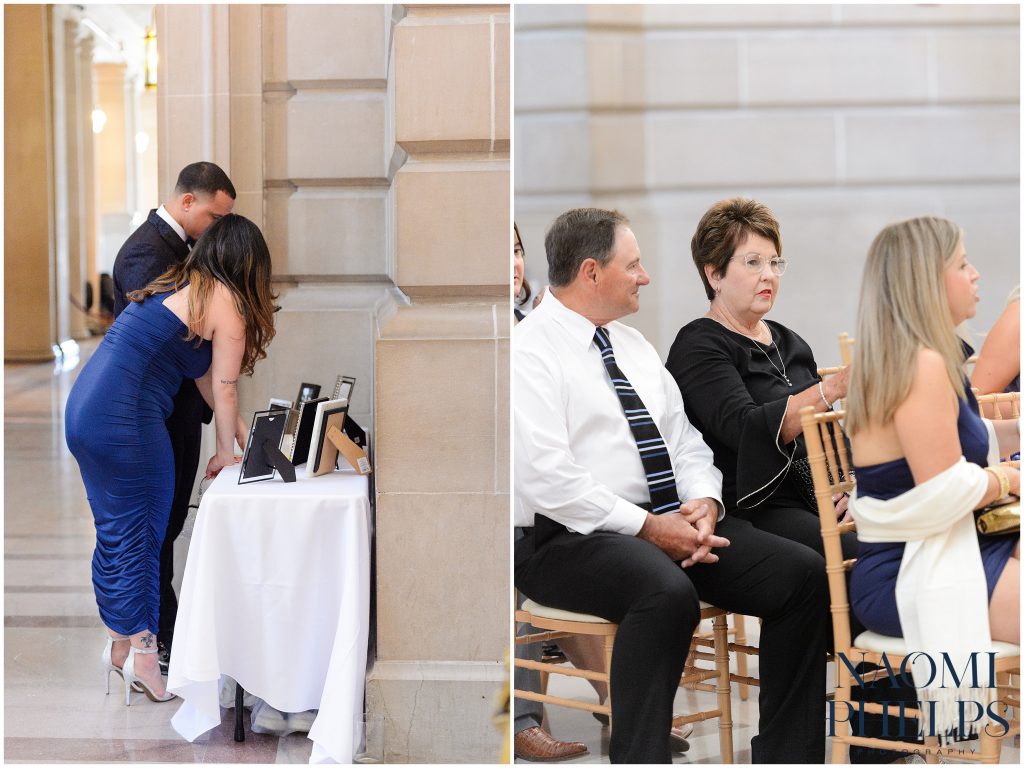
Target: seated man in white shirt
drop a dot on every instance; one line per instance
(601, 440)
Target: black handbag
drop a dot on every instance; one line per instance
(804, 480)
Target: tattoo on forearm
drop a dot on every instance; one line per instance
(229, 381)
(147, 639)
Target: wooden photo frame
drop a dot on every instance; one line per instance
(323, 454)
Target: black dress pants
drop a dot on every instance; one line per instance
(655, 603)
(185, 429)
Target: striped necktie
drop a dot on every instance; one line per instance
(661, 481)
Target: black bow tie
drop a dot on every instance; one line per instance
(189, 242)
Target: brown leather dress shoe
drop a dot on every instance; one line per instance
(537, 745)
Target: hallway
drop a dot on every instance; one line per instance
(55, 709)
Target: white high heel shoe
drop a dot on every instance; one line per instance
(131, 680)
(108, 663)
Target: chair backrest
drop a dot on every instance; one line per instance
(831, 370)
(832, 474)
(846, 342)
(994, 406)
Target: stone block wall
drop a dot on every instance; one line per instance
(841, 118)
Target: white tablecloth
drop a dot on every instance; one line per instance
(276, 595)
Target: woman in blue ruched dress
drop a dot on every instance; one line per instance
(919, 446)
(209, 319)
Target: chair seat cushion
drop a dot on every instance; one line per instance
(557, 614)
(542, 611)
(872, 641)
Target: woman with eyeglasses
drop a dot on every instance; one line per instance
(744, 379)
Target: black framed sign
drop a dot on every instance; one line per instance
(266, 430)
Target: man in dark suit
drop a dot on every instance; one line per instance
(202, 195)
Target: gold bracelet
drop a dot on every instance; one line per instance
(1002, 479)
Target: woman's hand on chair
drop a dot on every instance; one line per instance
(836, 386)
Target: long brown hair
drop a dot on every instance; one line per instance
(233, 252)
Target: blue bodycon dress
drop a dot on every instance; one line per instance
(873, 581)
(114, 426)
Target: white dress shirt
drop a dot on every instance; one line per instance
(576, 459)
(166, 216)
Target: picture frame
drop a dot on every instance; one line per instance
(348, 383)
(307, 392)
(266, 426)
(303, 430)
(343, 387)
(323, 454)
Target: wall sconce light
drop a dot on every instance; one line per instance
(99, 119)
(151, 59)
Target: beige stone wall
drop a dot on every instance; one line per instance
(442, 390)
(840, 118)
(371, 144)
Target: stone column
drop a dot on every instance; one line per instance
(29, 253)
(90, 229)
(296, 119)
(193, 114)
(442, 393)
(114, 156)
(65, 107)
(372, 149)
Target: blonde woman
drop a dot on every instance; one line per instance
(921, 450)
(209, 318)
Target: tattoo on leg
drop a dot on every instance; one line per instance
(147, 639)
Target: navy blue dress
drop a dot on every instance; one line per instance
(114, 425)
(873, 581)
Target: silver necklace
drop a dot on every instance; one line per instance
(782, 362)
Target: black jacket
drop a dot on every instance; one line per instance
(148, 252)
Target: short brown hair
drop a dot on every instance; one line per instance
(723, 228)
(577, 235)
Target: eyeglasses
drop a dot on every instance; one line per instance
(755, 264)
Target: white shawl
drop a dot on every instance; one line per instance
(941, 594)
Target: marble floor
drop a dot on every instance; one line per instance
(55, 709)
(576, 725)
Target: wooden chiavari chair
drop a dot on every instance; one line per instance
(554, 623)
(830, 469)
